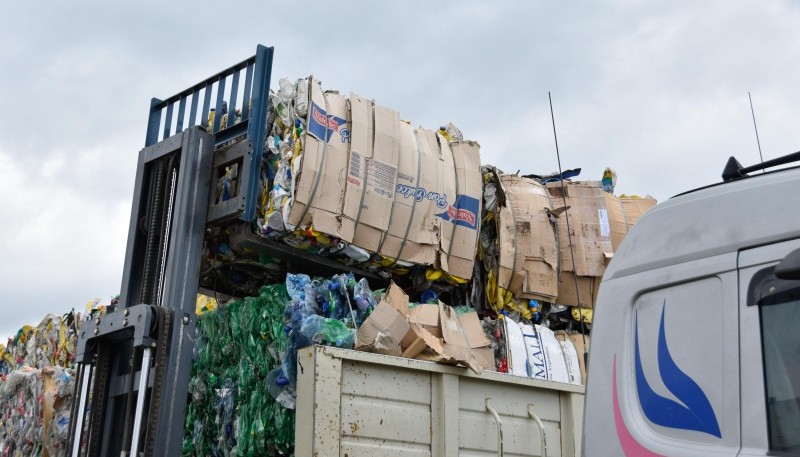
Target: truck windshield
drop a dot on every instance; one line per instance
(780, 342)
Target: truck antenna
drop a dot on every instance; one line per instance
(755, 127)
(569, 235)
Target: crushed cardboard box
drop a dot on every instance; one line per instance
(383, 331)
(386, 328)
(426, 332)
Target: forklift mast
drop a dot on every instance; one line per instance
(134, 363)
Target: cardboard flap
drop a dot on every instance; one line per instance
(485, 357)
(397, 299)
(414, 342)
(451, 327)
(428, 317)
(463, 331)
(474, 330)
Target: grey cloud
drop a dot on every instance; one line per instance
(657, 91)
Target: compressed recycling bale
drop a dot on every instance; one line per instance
(242, 385)
(34, 414)
(528, 250)
(409, 195)
(230, 409)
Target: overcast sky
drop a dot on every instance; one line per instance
(657, 91)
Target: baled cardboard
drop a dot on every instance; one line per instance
(372, 180)
(435, 216)
(635, 207)
(459, 224)
(319, 181)
(371, 170)
(623, 212)
(617, 219)
(528, 258)
(421, 192)
(589, 228)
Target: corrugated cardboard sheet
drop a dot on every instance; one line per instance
(583, 294)
(623, 212)
(589, 227)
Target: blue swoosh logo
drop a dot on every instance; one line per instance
(694, 414)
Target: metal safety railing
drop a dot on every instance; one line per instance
(240, 96)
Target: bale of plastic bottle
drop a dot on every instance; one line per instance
(35, 411)
(231, 411)
(242, 389)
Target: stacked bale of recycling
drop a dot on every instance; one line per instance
(51, 343)
(592, 224)
(544, 246)
(37, 386)
(518, 247)
(242, 389)
(348, 178)
(229, 412)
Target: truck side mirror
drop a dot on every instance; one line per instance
(789, 267)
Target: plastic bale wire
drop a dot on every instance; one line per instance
(231, 411)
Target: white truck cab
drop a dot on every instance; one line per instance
(696, 337)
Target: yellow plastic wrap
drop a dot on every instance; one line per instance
(205, 304)
(584, 314)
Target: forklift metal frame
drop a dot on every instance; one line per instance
(145, 345)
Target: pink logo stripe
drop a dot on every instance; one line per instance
(630, 446)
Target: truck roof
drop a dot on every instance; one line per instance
(718, 219)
